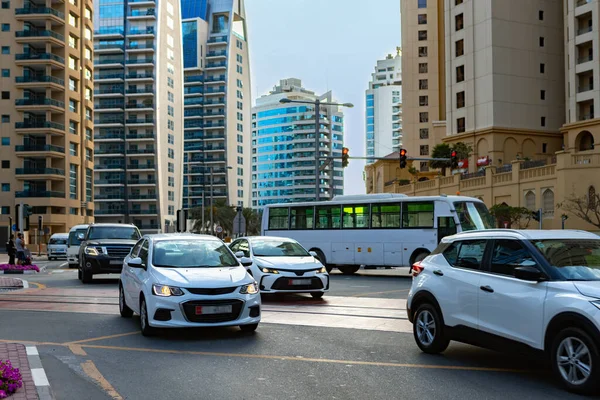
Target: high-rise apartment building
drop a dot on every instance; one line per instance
(283, 146)
(138, 105)
(384, 108)
(217, 103)
(423, 76)
(46, 111)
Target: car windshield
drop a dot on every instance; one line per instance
(277, 248)
(114, 232)
(73, 239)
(57, 241)
(473, 216)
(192, 253)
(576, 260)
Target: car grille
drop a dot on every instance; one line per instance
(121, 251)
(211, 292)
(283, 284)
(190, 311)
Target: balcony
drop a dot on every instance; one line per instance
(584, 30)
(110, 137)
(40, 171)
(142, 182)
(142, 14)
(148, 32)
(37, 148)
(109, 167)
(117, 151)
(139, 48)
(142, 91)
(143, 212)
(142, 2)
(212, 90)
(140, 76)
(39, 125)
(108, 32)
(40, 194)
(143, 136)
(111, 91)
(216, 54)
(39, 58)
(147, 61)
(140, 106)
(193, 79)
(109, 212)
(108, 77)
(109, 182)
(141, 152)
(142, 197)
(217, 78)
(37, 81)
(109, 107)
(108, 62)
(584, 59)
(37, 13)
(108, 122)
(100, 197)
(582, 2)
(39, 103)
(585, 88)
(135, 121)
(216, 65)
(109, 48)
(217, 40)
(32, 35)
(148, 226)
(151, 167)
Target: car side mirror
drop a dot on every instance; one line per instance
(528, 273)
(239, 254)
(136, 263)
(80, 236)
(314, 254)
(246, 262)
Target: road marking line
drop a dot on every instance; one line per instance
(386, 292)
(38, 285)
(313, 360)
(101, 338)
(77, 350)
(90, 369)
(39, 377)
(63, 264)
(32, 351)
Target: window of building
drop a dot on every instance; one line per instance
(88, 13)
(424, 133)
(88, 134)
(239, 58)
(5, 118)
(171, 97)
(5, 141)
(73, 63)
(240, 171)
(72, 84)
(459, 47)
(541, 41)
(5, 95)
(171, 167)
(460, 73)
(88, 94)
(171, 153)
(239, 69)
(6, 4)
(171, 138)
(542, 68)
(423, 84)
(460, 99)
(459, 22)
(72, 149)
(422, 19)
(88, 33)
(239, 45)
(457, 2)
(423, 101)
(88, 114)
(422, 4)
(423, 51)
(542, 95)
(423, 68)
(73, 41)
(548, 203)
(5, 210)
(72, 106)
(88, 184)
(543, 121)
(171, 181)
(544, 147)
(541, 15)
(530, 200)
(240, 138)
(5, 164)
(423, 117)
(5, 73)
(5, 49)
(240, 160)
(240, 149)
(171, 195)
(73, 181)
(422, 35)
(240, 127)
(73, 20)
(424, 150)
(460, 125)
(88, 154)
(73, 127)
(88, 53)
(171, 125)
(5, 27)
(6, 187)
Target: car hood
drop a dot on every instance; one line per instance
(588, 288)
(202, 277)
(107, 242)
(289, 263)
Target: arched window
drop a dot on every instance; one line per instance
(548, 203)
(585, 141)
(530, 200)
(592, 197)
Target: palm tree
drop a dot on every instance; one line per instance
(442, 150)
(223, 215)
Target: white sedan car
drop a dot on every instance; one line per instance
(282, 265)
(184, 280)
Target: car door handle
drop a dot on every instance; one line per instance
(487, 289)
(438, 272)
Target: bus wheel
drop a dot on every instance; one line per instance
(349, 269)
(322, 259)
(419, 257)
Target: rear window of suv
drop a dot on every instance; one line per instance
(466, 253)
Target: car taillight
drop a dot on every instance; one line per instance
(417, 268)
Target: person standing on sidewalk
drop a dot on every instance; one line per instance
(20, 248)
(10, 248)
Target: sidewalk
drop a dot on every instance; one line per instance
(27, 360)
(34, 257)
(10, 283)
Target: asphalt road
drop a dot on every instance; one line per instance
(102, 356)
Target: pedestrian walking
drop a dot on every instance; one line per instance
(20, 244)
(12, 251)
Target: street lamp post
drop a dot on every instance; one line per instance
(317, 103)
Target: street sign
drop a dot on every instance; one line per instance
(219, 229)
(14, 227)
(239, 224)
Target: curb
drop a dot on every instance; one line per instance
(14, 272)
(39, 374)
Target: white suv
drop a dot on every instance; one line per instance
(498, 289)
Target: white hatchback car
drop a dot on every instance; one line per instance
(501, 289)
(282, 265)
(185, 280)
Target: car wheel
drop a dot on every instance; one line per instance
(576, 361)
(317, 295)
(86, 276)
(248, 328)
(125, 311)
(428, 330)
(145, 327)
(349, 270)
(79, 275)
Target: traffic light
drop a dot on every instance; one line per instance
(402, 158)
(537, 215)
(454, 159)
(27, 210)
(345, 156)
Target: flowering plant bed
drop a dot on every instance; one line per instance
(10, 379)
(10, 267)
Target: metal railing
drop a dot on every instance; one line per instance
(42, 33)
(39, 10)
(39, 193)
(532, 164)
(39, 79)
(40, 124)
(108, 76)
(39, 102)
(39, 56)
(40, 171)
(40, 147)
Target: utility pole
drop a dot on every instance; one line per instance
(317, 147)
(21, 222)
(202, 231)
(212, 225)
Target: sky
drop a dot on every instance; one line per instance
(329, 45)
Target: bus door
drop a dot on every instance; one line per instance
(446, 226)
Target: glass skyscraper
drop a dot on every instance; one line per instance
(283, 147)
(217, 103)
(138, 151)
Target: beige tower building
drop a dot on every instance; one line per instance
(46, 108)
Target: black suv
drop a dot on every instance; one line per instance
(104, 247)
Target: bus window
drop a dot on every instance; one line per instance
(385, 216)
(301, 217)
(473, 216)
(328, 217)
(278, 218)
(356, 216)
(417, 214)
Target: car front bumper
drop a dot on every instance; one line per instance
(289, 282)
(54, 253)
(180, 310)
(103, 264)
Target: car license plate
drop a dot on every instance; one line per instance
(299, 282)
(202, 310)
(116, 262)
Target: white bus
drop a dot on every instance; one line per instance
(378, 230)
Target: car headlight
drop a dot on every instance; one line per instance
(322, 270)
(166, 291)
(249, 289)
(90, 251)
(268, 270)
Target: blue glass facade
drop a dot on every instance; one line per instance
(194, 9)
(370, 125)
(189, 34)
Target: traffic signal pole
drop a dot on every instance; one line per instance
(21, 221)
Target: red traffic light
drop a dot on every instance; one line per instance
(402, 152)
(345, 151)
(454, 154)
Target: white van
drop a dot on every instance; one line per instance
(75, 235)
(57, 246)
